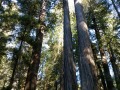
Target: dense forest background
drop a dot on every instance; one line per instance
(59, 44)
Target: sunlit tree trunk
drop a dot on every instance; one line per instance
(35, 60)
(87, 66)
(108, 77)
(70, 82)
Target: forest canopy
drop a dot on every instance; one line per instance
(59, 45)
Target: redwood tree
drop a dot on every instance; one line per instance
(35, 59)
(106, 70)
(70, 82)
(86, 61)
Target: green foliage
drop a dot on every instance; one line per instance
(19, 22)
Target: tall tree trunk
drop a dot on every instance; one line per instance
(70, 81)
(14, 67)
(108, 77)
(87, 66)
(35, 60)
(115, 67)
(113, 2)
(16, 58)
(99, 68)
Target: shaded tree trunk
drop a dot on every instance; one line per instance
(70, 81)
(99, 68)
(35, 61)
(16, 56)
(56, 85)
(31, 79)
(86, 63)
(115, 67)
(108, 77)
(15, 67)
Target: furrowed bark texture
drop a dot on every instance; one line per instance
(70, 82)
(86, 62)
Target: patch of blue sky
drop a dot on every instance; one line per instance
(109, 63)
(114, 13)
(92, 35)
(14, 1)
